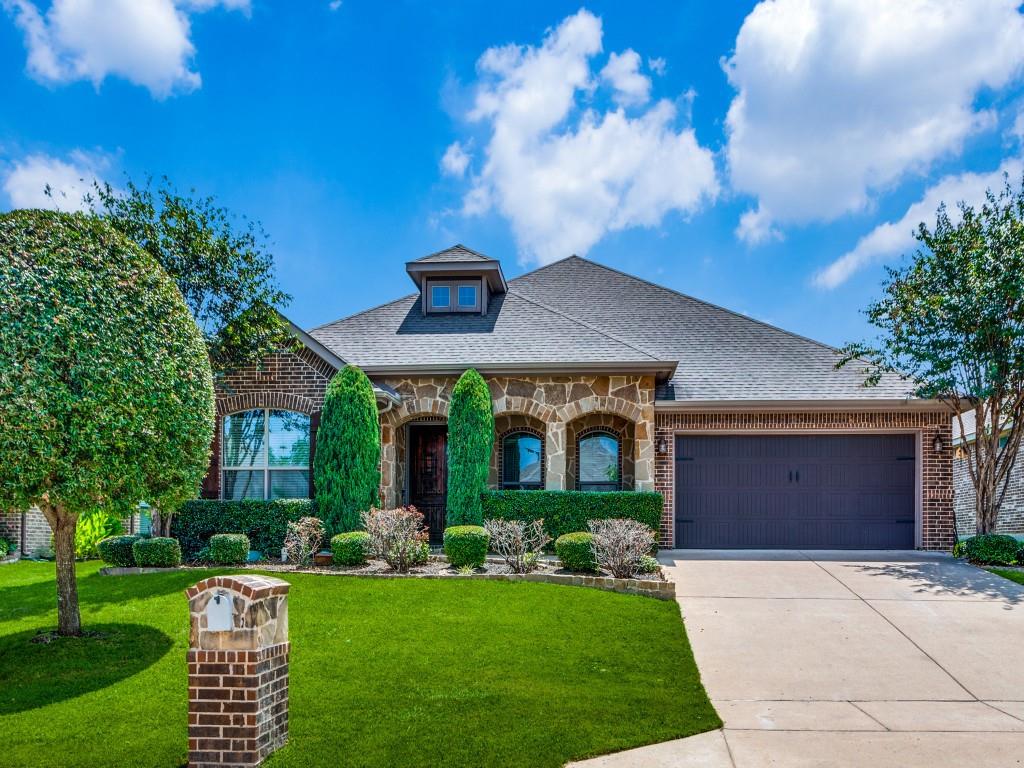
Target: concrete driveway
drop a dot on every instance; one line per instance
(849, 659)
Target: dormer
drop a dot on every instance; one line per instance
(456, 280)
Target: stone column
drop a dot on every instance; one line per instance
(643, 467)
(237, 670)
(554, 450)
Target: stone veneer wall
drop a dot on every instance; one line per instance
(937, 520)
(555, 402)
(1011, 514)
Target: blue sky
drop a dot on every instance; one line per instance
(769, 157)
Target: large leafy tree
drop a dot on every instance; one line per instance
(220, 264)
(346, 467)
(953, 321)
(106, 393)
(470, 440)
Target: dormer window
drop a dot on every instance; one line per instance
(453, 295)
(440, 298)
(456, 280)
(468, 298)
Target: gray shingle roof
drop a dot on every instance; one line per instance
(576, 311)
(456, 254)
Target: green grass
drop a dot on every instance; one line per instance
(1017, 576)
(384, 673)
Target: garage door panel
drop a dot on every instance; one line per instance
(808, 491)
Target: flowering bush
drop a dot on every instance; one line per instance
(397, 536)
(519, 543)
(303, 539)
(620, 546)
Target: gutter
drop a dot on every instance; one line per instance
(913, 405)
(661, 369)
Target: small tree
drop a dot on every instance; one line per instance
(346, 467)
(953, 322)
(220, 266)
(470, 438)
(106, 394)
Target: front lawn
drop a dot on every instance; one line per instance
(1012, 575)
(384, 672)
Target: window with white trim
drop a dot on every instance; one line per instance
(265, 455)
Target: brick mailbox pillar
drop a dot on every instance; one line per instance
(237, 670)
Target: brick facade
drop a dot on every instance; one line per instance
(1011, 514)
(28, 530)
(935, 470)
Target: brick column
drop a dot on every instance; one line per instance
(237, 670)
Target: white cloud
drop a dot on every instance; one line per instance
(455, 160)
(334, 5)
(897, 237)
(657, 65)
(756, 228)
(563, 176)
(623, 73)
(26, 183)
(838, 100)
(143, 41)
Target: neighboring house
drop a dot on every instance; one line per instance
(603, 381)
(1011, 514)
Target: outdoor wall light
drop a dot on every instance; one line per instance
(937, 444)
(662, 446)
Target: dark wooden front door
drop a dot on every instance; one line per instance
(428, 474)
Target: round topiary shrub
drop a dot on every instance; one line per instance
(350, 548)
(158, 552)
(576, 551)
(465, 546)
(991, 549)
(117, 550)
(228, 548)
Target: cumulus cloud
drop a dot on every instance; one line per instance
(565, 175)
(143, 41)
(455, 160)
(657, 65)
(897, 237)
(837, 100)
(68, 181)
(623, 73)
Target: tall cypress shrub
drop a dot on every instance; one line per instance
(346, 467)
(470, 438)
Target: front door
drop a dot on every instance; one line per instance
(428, 474)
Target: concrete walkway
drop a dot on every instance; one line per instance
(848, 659)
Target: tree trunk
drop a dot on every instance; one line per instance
(63, 524)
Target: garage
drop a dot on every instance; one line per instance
(795, 491)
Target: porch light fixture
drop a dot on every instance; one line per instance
(937, 444)
(662, 446)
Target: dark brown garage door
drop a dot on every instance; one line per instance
(799, 491)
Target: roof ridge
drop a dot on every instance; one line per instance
(452, 248)
(712, 305)
(584, 323)
(363, 312)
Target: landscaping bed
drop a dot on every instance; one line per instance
(397, 672)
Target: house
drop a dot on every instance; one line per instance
(1011, 514)
(601, 381)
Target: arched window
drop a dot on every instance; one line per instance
(522, 462)
(599, 461)
(265, 455)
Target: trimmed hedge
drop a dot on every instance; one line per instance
(350, 548)
(465, 546)
(576, 551)
(158, 552)
(117, 550)
(229, 548)
(264, 522)
(570, 511)
(991, 549)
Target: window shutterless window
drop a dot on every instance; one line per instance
(440, 297)
(522, 462)
(265, 455)
(599, 462)
(467, 297)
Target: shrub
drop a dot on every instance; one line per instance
(4, 548)
(1020, 556)
(648, 564)
(351, 548)
(576, 551)
(264, 522)
(397, 536)
(92, 529)
(470, 439)
(158, 552)
(465, 546)
(518, 543)
(991, 549)
(620, 544)
(959, 549)
(303, 539)
(570, 511)
(346, 467)
(117, 551)
(229, 548)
